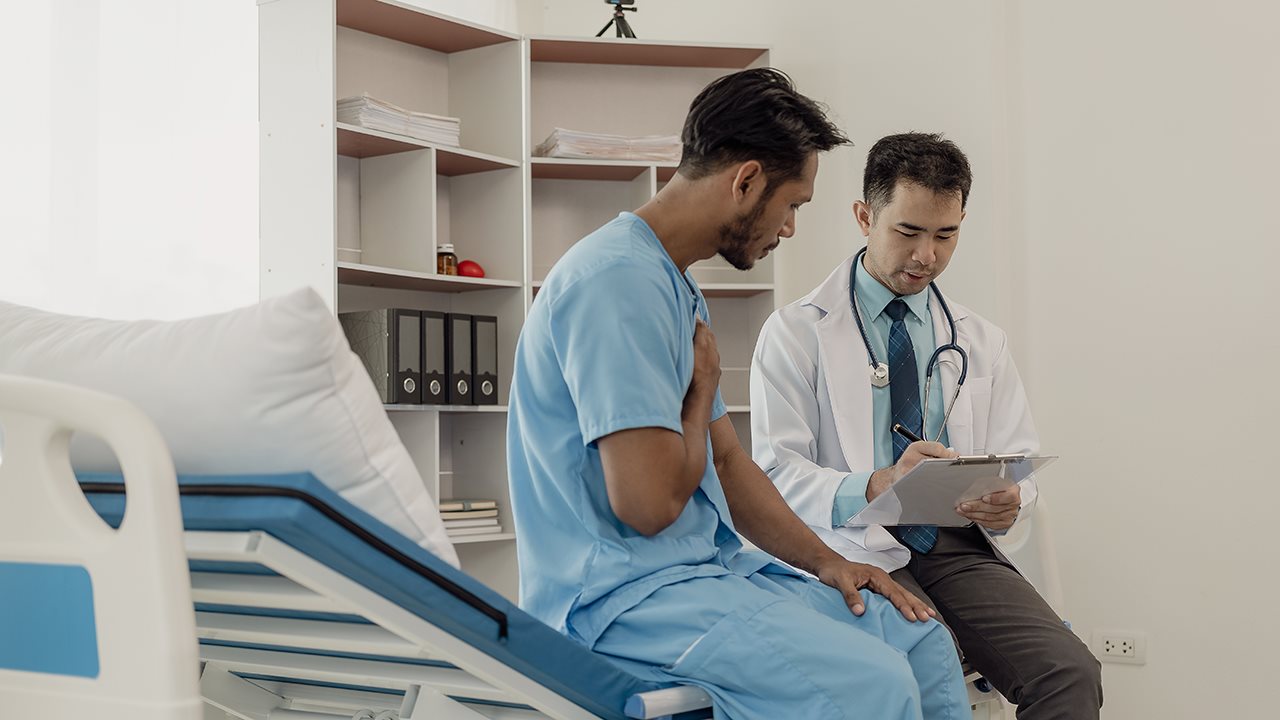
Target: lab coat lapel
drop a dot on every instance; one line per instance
(844, 369)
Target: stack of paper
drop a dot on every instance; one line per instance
(562, 143)
(470, 517)
(381, 115)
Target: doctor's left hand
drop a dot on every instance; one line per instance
(995, 511)
(851, 577)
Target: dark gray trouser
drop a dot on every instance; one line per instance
(1004, 629)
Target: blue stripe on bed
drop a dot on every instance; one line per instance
(252, 677)
(236, 568)
(424, 662)
(47, 622)
(282, 613)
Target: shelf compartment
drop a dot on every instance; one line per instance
(735, 290)
(714, 290)
(544, 168)
(360, 142)
(624, 51)
(390, 278)
(495, 537)
(447, 408)
(415, 26)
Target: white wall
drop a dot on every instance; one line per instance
(499, 14)
(130, 142)
(1124, 158)
(129, 131)
(1147, 184)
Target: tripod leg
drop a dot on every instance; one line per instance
(624, 29)
(603, 29)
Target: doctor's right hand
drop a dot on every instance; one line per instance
(851, 577)
(884, 477)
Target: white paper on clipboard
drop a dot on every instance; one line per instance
(929, 494)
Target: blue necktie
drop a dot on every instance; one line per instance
(904, 394)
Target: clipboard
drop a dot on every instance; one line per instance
(929, 494)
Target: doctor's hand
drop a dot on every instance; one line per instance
(884, 477)
(995, 511)
(850, 577)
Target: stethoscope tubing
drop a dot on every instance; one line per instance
(934, 359)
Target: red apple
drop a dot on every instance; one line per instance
(470, 268)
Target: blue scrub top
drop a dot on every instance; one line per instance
(608, 346)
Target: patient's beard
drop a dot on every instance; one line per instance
(738, 235)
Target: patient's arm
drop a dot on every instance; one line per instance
(650, 473)
(764, 518)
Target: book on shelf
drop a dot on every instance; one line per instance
(468, 514)
(451, 504)
(460, 532)
(375, 114)
(564, 143)
(474, 522)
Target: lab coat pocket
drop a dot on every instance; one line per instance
(960, 422)
(979, 396)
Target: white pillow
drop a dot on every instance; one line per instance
(268, 388)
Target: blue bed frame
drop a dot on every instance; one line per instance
(303, 514)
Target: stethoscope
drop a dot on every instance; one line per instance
(880, 370)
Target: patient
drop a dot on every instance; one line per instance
(627, 478)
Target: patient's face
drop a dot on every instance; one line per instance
(755, 233)
(910, 239)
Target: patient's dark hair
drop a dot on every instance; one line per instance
(755, 115)
(923, 159)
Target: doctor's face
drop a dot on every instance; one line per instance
(755, 233)
(910, 240)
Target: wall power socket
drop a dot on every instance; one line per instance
(1120, 646)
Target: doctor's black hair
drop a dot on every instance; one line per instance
(925, 159)
(756, 115)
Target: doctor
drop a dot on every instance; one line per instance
(826, 389)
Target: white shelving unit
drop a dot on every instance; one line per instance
(358, 214)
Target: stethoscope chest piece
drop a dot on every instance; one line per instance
(879, 374)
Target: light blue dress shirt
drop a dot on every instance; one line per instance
(607, 347)
(873, 298)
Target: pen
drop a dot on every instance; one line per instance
(910, 436)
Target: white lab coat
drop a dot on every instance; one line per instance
(811, 407)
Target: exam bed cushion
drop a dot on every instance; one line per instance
(271, 387)
(292, 509)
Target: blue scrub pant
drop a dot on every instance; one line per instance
(780, 646)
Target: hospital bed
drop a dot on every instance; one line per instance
(306, 608)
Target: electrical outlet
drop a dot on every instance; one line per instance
(1120, 646)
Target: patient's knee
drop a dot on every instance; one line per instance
(889, 679)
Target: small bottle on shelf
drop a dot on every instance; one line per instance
(446, 261)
